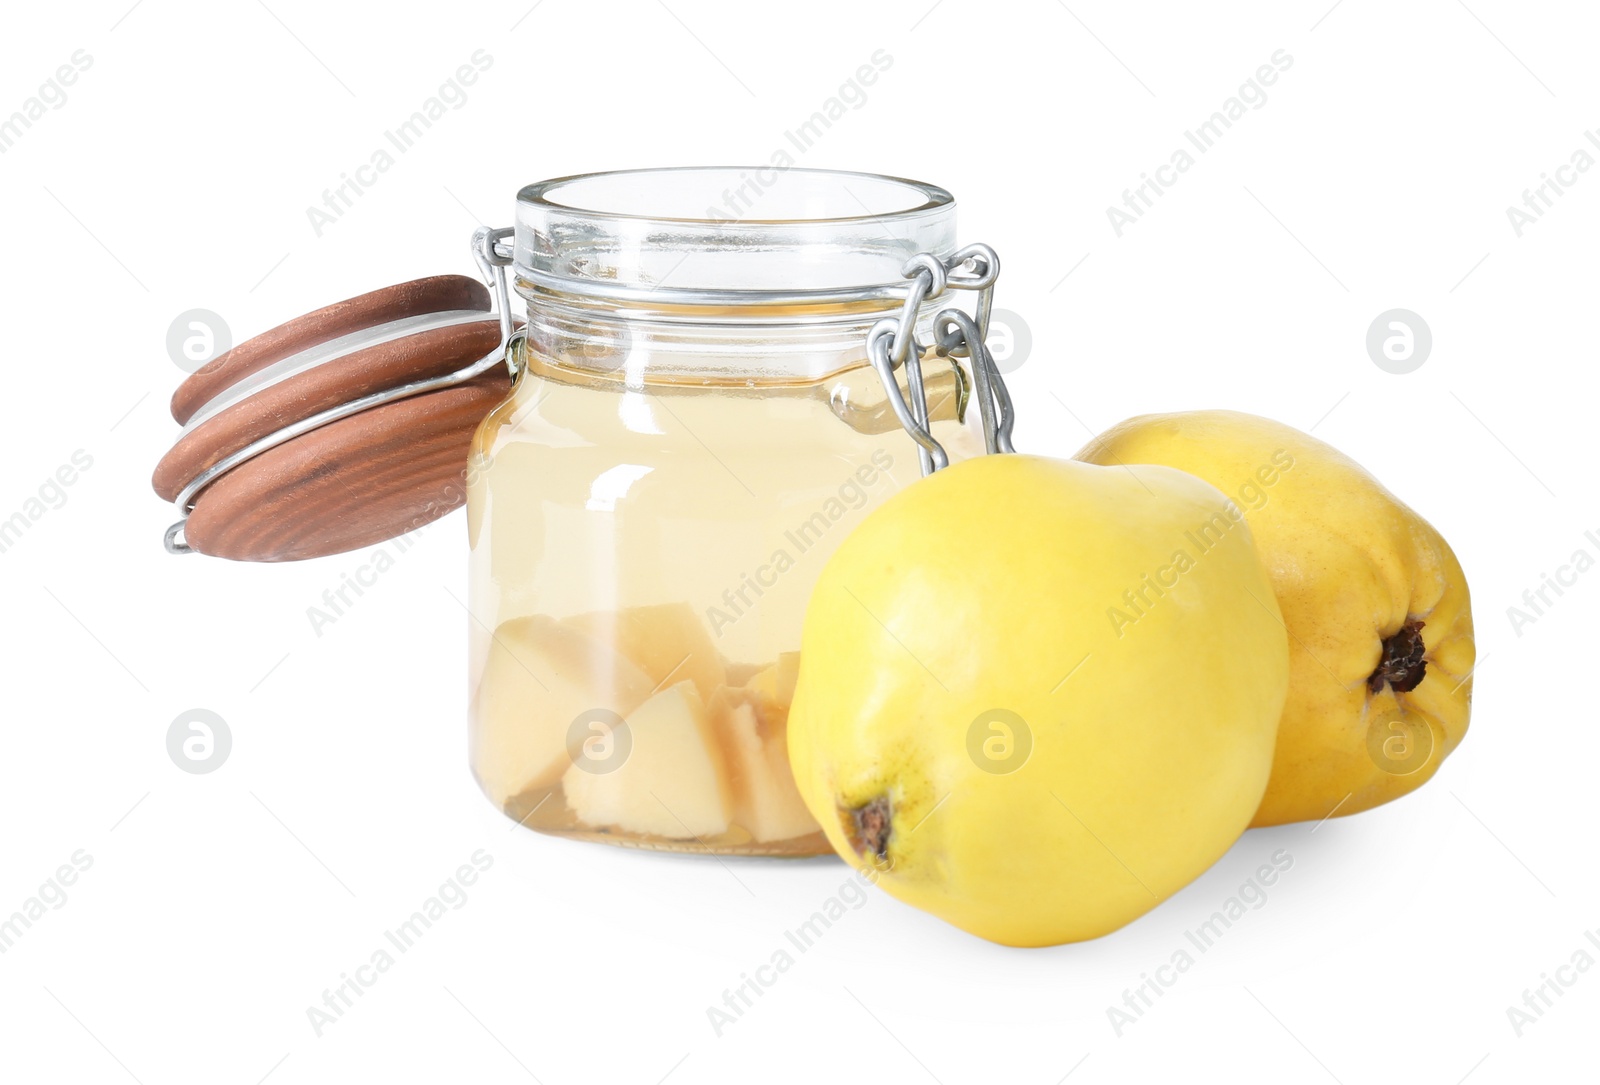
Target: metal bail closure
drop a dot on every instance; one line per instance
(892, 343)
(345, 427)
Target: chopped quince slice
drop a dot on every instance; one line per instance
(539, 677)
(667, 641)
(752, 724)
(739, 674)
(774, 683)
(672, 781)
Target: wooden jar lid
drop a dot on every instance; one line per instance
(381, 472)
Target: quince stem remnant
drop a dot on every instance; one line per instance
(870, 828)
(1402, 665)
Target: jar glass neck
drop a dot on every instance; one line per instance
(721, 273)
(747, 344)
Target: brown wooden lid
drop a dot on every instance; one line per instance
(435, 294)
(361, 480)
(372, 475)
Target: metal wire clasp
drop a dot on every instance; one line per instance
(892, 343)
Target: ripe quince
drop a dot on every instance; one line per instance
(1377, 607)
(972, 729)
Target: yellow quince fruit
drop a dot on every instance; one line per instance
(1377, 608)
(971, 728)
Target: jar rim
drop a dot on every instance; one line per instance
(543, 194)
(728, 235)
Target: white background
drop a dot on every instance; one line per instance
(219, 907)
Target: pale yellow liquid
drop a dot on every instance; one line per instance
(589, 495)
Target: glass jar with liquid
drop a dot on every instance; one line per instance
(693, 429)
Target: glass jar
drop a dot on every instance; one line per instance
(694, 428)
